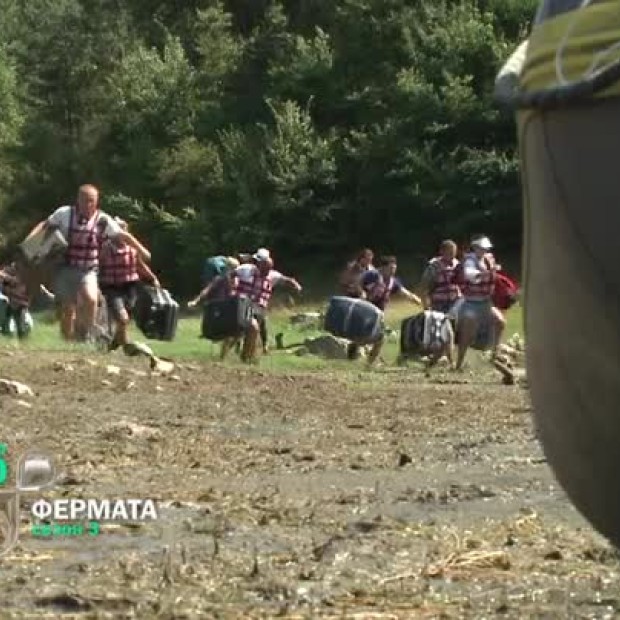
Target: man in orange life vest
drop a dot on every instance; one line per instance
(120, 270)
(84, 227)
(256, 281)
(441, 291)
(477, 311)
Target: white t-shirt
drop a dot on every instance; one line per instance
(473, 267)
(61, 219)
(246, 273)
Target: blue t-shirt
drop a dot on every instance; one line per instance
(378, 290)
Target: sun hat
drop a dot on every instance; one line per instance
(262, 254)
(483, 243)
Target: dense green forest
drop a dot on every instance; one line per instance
(311, 126)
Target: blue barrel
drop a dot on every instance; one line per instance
(356, 320)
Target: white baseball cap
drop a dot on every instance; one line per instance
(262, 254)
(483, 243)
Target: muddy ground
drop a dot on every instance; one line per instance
(355, 495)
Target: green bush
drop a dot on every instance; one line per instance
(311, 127)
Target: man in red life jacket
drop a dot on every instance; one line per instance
(257, 281)
(120, 270)
(18, 300)
(84, 227)
(379, 285)
(477, 279)
(441, 290)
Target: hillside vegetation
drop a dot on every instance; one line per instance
(313, 126)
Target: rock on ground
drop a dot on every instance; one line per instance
(327, 346)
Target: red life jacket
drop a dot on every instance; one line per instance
(118, 266)
(459, 275)
(445, 287)
(259, 289)
(479, 290)
(84, 242)
(505, 292)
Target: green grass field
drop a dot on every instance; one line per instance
(188, 344)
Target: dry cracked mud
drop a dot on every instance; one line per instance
(345, 494)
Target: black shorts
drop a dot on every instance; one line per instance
(119, 297)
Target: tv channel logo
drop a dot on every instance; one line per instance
(35, 472)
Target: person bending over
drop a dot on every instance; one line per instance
(85, 227)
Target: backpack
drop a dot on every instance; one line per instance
(506, 292)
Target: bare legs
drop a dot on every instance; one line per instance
(468, 326)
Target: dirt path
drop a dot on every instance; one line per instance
(301, 495)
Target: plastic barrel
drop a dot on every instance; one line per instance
(354, 319)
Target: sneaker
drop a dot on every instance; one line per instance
(132, 349)
(280, 341)
(113, 344)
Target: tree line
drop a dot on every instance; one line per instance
(311, 126)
